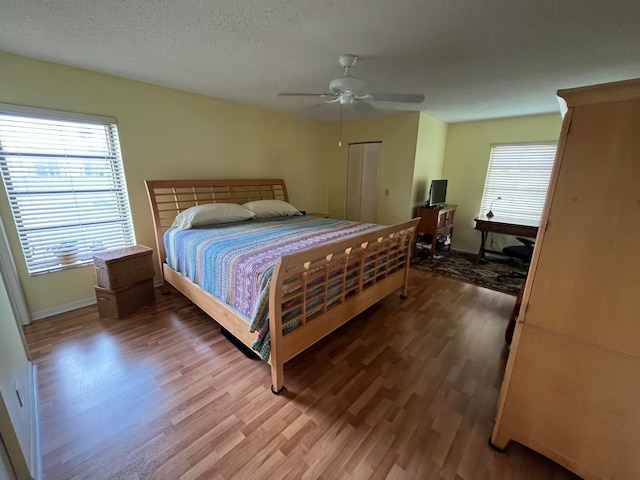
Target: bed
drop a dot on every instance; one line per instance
(309, 292)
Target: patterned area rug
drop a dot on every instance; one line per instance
(461, 266)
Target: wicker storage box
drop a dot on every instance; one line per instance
(119, 268)
(126, 300)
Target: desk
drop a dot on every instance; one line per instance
(505, 225)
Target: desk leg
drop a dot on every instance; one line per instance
(482, 243)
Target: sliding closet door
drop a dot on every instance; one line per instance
(354, 181)
(362, 182)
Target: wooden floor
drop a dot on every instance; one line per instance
(406, 390)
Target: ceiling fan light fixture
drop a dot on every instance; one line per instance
(346, 98)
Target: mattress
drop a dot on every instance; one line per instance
(234, 262)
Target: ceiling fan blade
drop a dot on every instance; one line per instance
(398, 97)
(363, 107)
(303, 94)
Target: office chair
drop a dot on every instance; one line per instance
(522, 252)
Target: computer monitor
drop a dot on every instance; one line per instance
(437, 193)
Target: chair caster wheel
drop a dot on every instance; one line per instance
(403, 297)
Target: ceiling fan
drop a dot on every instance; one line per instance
(348, 89)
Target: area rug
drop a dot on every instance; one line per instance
(461, 266)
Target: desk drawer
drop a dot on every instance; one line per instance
(450, 215)
(508, 229)
(445, 218)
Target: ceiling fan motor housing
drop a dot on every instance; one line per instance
(347, 85)
(347, 60)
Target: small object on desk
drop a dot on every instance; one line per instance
(490, 212)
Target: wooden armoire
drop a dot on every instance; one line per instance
(571, 389)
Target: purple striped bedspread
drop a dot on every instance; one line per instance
(234, 262)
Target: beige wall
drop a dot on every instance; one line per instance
(430, 150)
(164, 133)
(15, 421)
(398, 134)
(467, 160)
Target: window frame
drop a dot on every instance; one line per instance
(512, 204)
(44, 231)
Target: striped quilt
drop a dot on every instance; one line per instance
(234, 262)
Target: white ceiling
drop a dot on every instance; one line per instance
(473, 59)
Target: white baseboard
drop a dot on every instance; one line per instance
(63, 308)
(67, 307)
(464, 250)
(35, 462)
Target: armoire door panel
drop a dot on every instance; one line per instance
(591, 246)
(566, 395)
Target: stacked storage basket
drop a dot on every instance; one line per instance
(124, 280)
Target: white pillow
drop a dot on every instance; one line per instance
(271, 208)
(211, 214)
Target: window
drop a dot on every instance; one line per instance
(519, 174)
(65, 184)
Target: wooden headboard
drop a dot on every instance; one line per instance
(170, 197)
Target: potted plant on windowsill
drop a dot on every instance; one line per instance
(66, 252)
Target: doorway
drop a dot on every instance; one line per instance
(362, 181)
(6, 470)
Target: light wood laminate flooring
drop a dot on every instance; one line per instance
(406, 390)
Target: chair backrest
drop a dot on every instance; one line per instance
(527, 241)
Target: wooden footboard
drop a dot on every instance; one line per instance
(323, 288)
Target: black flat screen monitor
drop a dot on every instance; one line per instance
(437, 193)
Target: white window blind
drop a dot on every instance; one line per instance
(519, 174)
(65, 183)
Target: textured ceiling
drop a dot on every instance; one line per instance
(472, 59)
